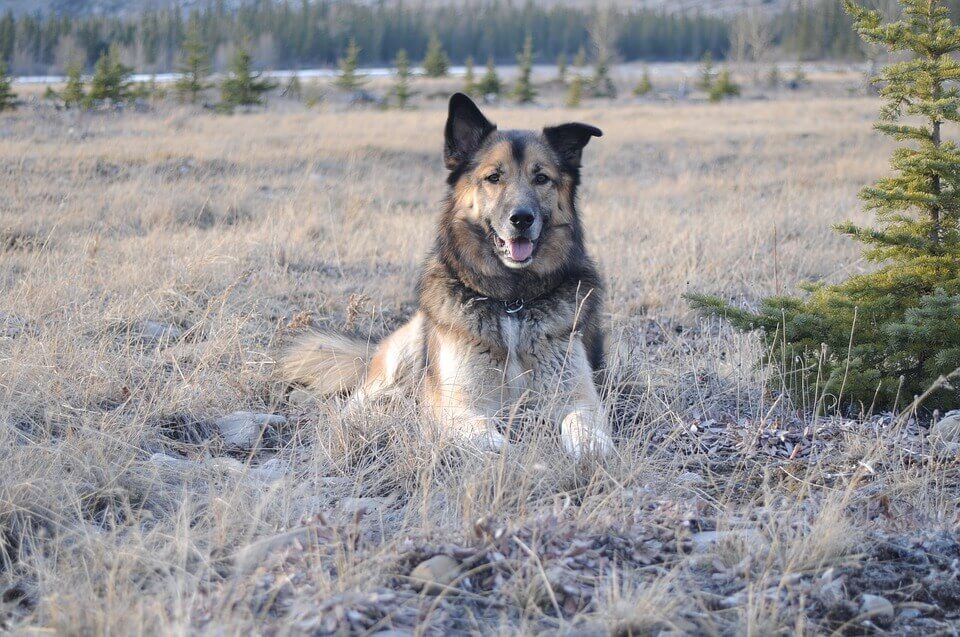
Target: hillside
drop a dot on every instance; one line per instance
(106, 7)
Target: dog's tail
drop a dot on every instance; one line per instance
(326, 363)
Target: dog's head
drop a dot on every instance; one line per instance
(513, 192)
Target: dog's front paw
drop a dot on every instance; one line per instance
(580, 439)
(488, 440)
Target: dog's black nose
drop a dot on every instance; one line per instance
(521, 219)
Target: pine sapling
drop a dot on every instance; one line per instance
(893, 333)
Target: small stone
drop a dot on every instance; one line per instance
(392, 633)
(253, 555)
(243, 428)
(270, 471)
(172, 463)
(690, 479)
(876, 608)
(302, 398)
(433, 576)
(363, 505)
(946, 431)
(705, 541)
(11, 326)
(154, 332)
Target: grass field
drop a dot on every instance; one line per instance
(151, 265)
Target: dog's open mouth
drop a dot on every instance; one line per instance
(519, 250)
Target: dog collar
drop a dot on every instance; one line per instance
(510, 307)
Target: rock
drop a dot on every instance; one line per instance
(11, 326)
(433, 576)
(172, 463)
(253, 555)
(690, 479)
(876, 608)
(830, 589)
(705, 541)
(302, 398)
(270, 471)
(945, 434)
(392, 633)
(243, 428)
(155, 333)
(363, 505)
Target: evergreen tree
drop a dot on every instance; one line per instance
(799, 78)
(401, 89)
(580, 60)
(524, 92)
(73, 92)
(724, 87)
(8, 99)
(194, 67)
(603, 85)
(436, 63)
(575, 93)
(490, 82)
(469, 78)
(294, 88)
(892, 333)
(773, 77)
(562, 68)
(111, 78)
(243, 87)
(707, 74)
(348, 79)
(644, 86)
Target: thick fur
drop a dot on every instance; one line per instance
(493, 336)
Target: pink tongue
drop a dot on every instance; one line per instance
(520, 249)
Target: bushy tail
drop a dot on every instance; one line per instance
(326, 363)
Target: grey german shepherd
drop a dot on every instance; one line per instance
(509, 302)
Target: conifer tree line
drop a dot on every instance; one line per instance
(308, 33)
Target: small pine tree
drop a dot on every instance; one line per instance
(469, 77)
(773, 77)
(524, 92)
(8, 99)
(490, 82)
(436, 63)
(580, 59)
(644, 86)
(111, 78)
(724, 87)
(562, 68)
(74, 94)
(194, 68)
(294, 88)
(575, 92)
(603, 85)
(243, 87)
(348, 79)
(799, 78)
(892, 334)
(707, 74)
(401, 89)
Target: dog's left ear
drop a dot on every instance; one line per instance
(568, 140)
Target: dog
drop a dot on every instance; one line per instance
(509, 316)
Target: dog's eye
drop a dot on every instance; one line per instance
(540, 179)
(494, 178)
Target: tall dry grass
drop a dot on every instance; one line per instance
(151, 265)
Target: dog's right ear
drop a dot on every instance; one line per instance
(465, 131)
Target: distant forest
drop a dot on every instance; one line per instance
(305, 33)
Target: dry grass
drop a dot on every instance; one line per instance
(151, 265)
